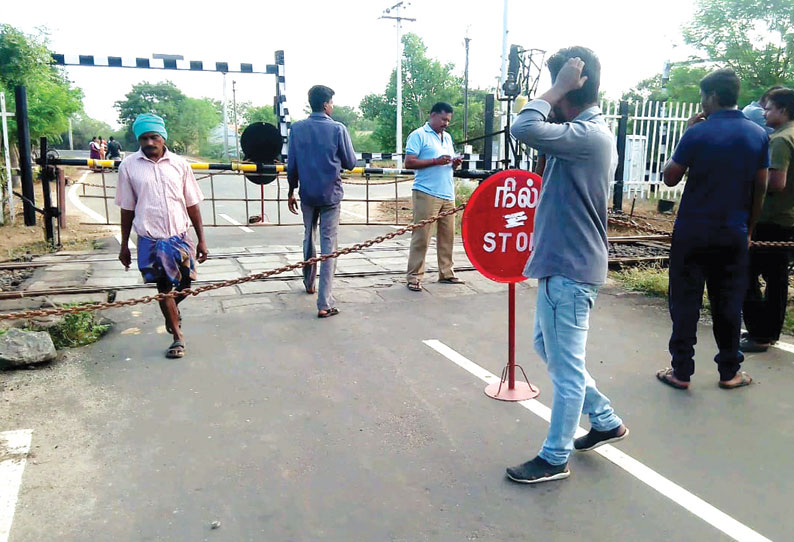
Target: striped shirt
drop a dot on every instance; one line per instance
(159, 193)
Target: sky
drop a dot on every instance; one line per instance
(343, 44)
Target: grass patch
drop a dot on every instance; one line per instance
(78, 329)
(649, 279)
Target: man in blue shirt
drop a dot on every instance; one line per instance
(429, 151)
(726, 157)
(570, 254)
(319, 148)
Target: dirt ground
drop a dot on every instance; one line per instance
(18, 241)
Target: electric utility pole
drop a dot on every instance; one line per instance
(466, 41)
(236, 129)
(397, 17)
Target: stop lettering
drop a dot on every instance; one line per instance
(498, 224)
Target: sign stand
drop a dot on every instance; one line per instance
(514, 391)
(498, 226)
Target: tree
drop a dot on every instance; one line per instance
(83, 129)
(425, 82)
(247, 113)
(754, 37)
(26, 60)
(188, 120)
(683, 86)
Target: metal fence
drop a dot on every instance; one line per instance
(653, 129)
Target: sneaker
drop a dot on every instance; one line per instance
(749, 345)
(537, 470)
(594, 438)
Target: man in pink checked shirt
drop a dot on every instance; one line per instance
(159, 198)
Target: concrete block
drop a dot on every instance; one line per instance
(72, 267)
(225, 291)
(264, 287)
(110, 282)
(357, 295)
(212, 276)
(438, 289)
(247, 261)
(253, 303)
(134, 293)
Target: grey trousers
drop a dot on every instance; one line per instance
(328, 218)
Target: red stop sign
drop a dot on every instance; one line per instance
(498, 223)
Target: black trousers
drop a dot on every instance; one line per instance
(765, 310)
(718, 258)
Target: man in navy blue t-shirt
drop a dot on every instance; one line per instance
(726, 157)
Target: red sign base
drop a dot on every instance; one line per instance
(521, 392)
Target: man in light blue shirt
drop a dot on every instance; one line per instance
(570, 254)
(429, 151)
(755, 110)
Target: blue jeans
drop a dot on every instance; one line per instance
(327, 217)
(561, 323)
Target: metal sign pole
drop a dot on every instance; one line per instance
(6, 147)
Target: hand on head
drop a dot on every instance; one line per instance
(570, 76)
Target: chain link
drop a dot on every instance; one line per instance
(42, 313)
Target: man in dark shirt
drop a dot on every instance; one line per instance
(765, 312)
(114, 149)
(319, 148)
(726, 157)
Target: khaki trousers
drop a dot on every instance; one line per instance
(425, 206)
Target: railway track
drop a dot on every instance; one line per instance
(623, 251)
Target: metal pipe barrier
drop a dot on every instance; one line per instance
(377, 186)
(40, 313)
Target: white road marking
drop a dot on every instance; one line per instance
(654, 480)
(14, 448)
(230, 220)
(74, 197)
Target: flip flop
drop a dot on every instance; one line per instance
(414, 286)
(665, 377)
(333, 311)
(745, 381)
(452, 280)
(176, 350)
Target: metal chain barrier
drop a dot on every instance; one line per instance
(657, 231)
(40, 313)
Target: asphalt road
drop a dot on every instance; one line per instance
(284, 427)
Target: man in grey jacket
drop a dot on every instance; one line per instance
(569, 258)
(319, 148)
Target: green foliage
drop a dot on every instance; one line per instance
(753, 37)
(25, 60)
(78, 329)
(683, 86)
(425, 82)
(188, 120)
(83, 129)
(248, 113)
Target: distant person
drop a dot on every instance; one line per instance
(430, 152)
(755, 110)
(114, 149)
(726, 157)
(319, 149)
(570, 255)
(103, 148)
(765, 311)
(159, 198)
(94, 148)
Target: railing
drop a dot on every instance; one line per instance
(374, 196)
